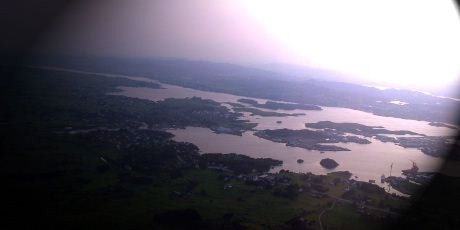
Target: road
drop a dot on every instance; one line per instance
(351, 202)
(322, 213)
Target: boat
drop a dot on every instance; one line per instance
(412, 170)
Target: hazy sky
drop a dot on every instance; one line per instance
(411, 43)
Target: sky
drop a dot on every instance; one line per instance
(408, 44)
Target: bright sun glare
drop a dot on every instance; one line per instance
(412, 43)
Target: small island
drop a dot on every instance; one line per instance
(357, 129)
(238, 107)
(262, 113)
(310, 139)
(431, 145)
(440, 124)
(279, 105)
(436, 146)
(300, 161)
(328, 163)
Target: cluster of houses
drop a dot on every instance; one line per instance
(260, 180)
(430, 145)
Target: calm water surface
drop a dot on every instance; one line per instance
(364, 161)
(333, 114)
